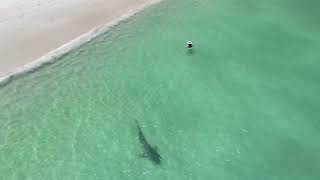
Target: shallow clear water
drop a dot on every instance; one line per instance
(242, 105)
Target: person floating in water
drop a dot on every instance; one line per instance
(189, 44)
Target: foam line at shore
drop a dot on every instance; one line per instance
(56, 54)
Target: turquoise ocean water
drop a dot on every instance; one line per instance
(242, 105)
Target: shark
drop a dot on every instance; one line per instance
(149, 152)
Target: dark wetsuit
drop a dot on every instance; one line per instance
(189, 45)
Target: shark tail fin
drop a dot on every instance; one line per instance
(137, 123)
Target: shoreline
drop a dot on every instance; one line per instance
(69, 45)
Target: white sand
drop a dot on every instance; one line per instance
(31, 28)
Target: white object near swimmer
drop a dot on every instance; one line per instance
(189, 45)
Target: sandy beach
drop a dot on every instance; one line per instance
(30, 29)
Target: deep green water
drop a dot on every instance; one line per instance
(242, 105)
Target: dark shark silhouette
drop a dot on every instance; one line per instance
(148, 151)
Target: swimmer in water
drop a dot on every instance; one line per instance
(189, 44)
